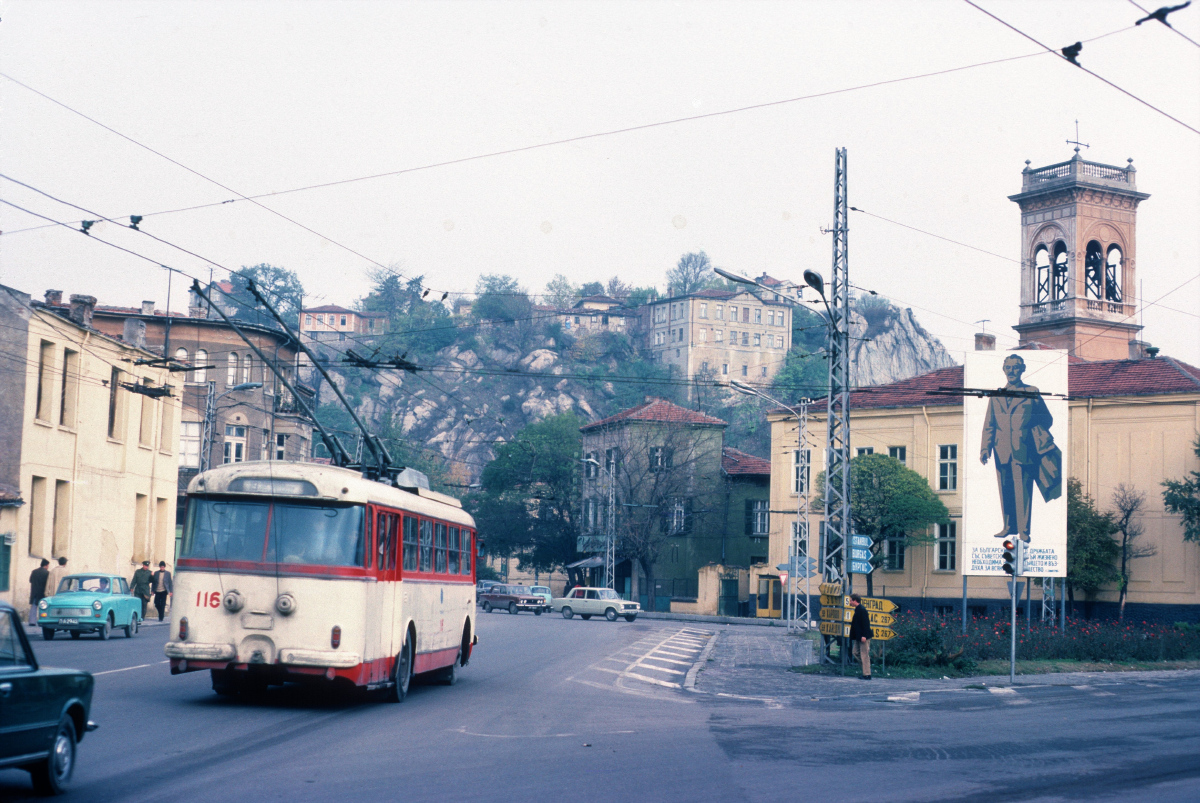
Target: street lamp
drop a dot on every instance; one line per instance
(802, 525)
(210, 411)
(610, 550)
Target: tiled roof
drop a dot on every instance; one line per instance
(1085, 380)
(659, 410)
(711, 292)
(736, 463)
(330, 308)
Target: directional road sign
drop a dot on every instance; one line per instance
(880, 633)
(879, 604)
(859, 553)
(881, 619)
(834, 614)
(860, 567)
(863, 541)
(834, 629)
(832, 589)
(835, 602)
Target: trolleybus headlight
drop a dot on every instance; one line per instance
(286, 604)
(97, 605)
(335, 637)
(183, 629)
(233, 601)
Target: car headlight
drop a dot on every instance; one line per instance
(96, 605)
(43, 605)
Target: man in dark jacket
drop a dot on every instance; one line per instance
(161, 583)
(37, 589)
(860, 635)
(139, 586)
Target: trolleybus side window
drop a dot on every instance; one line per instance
(439, 544)
(386, 534)
(465, 565)
(426, 545)
(410, 544)
(453, 550)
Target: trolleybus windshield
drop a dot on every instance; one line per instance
(274, 532)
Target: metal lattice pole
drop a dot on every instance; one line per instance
(210, 413)
(799, 550)
(610, 542)
(837, 450)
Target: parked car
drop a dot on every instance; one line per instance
(513, 599)
(589, 602)
(90, 603)
(44, 711)
(544, 593)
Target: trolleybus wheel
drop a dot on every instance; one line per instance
(487, 607)
(402, 672)
(567, 612)
(512, 608)
(448, 675)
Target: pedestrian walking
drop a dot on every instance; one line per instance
(161, 583)
(860, 635)
(139, 586)
(57, 573)
(37, 589)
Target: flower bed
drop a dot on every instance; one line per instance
(927, 640)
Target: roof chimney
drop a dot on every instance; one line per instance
(147, 307)
(82, 308)
(54, 297)
(985, 341)
(134, 332)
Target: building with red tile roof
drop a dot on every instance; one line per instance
(660, 411)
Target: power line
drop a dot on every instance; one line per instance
(1172, 27)
(1049, 49)
(931, 234)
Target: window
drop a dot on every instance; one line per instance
(166, 432)
(893, 560)
(590, 517)
(660, 458)
(758, 316)
(439, 548)
(410, 544)
(591, 467)
(677, 517)
(200, 375)
(280, 446)
(189, 444)
(764, 370)
(948, 467)
(770, 317)
(452, 551)
(343, 320)
(465, 564)
(70, 384)
(758, 517)
(745, 370)
(612, 461)
(307, 320)
(231, 369)
(12, 649)
(386, 532)
(733, 337)
(947, 547)
(146, 420)
(247, 368)
(60, 527)
(720, 312)
(264, 453)
(801, 468)
(703, 335)
(426, 546)
(899, 453)
(235, 444)
(704, 367)
(757, 339)
(116, 411)
(604, 320)
(745, 338)
(724, 369)
(703, 310)
(720, 335)
(45, 358)
(862, 450)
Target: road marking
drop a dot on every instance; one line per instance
(906, 697)
(660, 669)
(1001, 690)
(677, 654)
(127, 668)
(655, 681)
(667, 660)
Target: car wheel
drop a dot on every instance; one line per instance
(567, 612)
(487, 607)
(629, 617)
(105, 629)
(610, 614)
(76, 633)
(131, 629)
(512, 608)
(537, 612)
(51, 775)
(401, 673)
(585, 616)
(48, 633)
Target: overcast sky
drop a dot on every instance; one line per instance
(270, 96)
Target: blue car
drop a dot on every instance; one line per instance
(90, 603)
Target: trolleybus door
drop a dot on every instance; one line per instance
(387, 537)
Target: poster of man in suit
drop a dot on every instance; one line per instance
(1015, 437)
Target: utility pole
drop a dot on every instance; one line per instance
(837, 449)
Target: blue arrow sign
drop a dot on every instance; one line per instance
(860, 554)
(860, 541)
(860, 567)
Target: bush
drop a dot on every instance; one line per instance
(927, 640)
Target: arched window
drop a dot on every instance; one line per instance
(181, 356)
(1093, 270)
(1058, 289)
(231, 369)
(200, 375)
(1112, 274)
(1041, 261)
(247, 368)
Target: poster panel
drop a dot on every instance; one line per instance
(1015, 442)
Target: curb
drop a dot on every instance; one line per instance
(689, 682)
(720, 620)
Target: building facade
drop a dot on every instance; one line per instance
(337, 324)
(90, 431)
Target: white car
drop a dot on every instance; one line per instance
(589, 602)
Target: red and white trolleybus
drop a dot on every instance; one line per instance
(303, 572)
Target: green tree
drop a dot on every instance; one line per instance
(528, 504)
(591, 289)
(1182, 497)
(803, 375)
(641, 295)
(418, 321)
(280, 286)
(1127, 511)
(500, 298)
(1091, 550)
(693, 272)
(561, 292)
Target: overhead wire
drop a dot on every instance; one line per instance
(1172, 27)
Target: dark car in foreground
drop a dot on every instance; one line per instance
(43, 711)
(513, 599)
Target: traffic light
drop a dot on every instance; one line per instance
(1012, 558)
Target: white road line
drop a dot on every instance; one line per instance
(659, 669)
(655, 681)
(127, 668)
(677, 653)
(653, 657)
(1001, 690)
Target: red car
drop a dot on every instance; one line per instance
(513, 599)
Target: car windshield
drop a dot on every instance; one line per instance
(540, 590)
(264, 532)
(97, 585)
(608, 593)
(520, 590)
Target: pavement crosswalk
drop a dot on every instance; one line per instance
(660, 660)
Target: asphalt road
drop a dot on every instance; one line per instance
(553, 710)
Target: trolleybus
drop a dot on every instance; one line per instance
(309, 572)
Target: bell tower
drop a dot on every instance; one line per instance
(1078, 266)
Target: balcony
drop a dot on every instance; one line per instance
(1078, 308)
(1080, 170)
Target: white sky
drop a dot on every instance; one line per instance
(271, 96)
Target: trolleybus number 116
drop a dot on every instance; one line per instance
(211, 600)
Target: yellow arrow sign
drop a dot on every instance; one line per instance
(834, 601)
(834, 629)
(878, 604)
(881, 619)
(879, 633)
(833, 614)
(833, 589)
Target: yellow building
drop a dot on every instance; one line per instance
(90, 464)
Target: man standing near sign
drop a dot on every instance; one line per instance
(1017, 429)
(860, 635)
